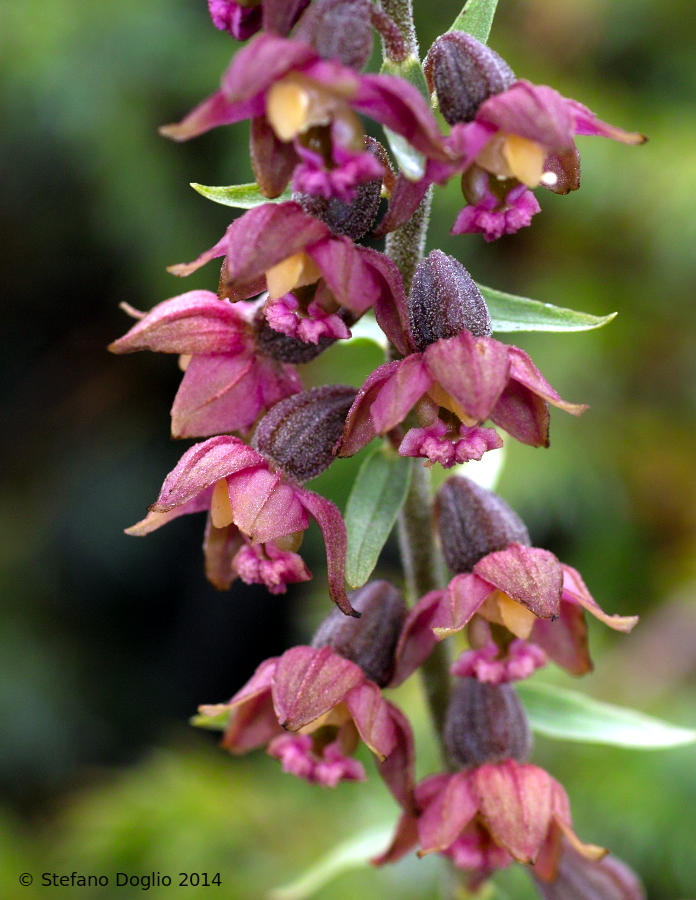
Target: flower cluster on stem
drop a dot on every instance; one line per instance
(296, 276)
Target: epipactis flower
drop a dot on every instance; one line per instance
(579, 878)
(304, 111)
(458, 378)
(257, 500)
(227, 381)
(508, 136)
(311, 706)
(281, 248)
(483, 818)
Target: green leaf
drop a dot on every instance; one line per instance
(216, 722)
(373, 505)
(568, 715)
(411, 161)
(511, 313)
(351, 854)
(476, 18)
(241, 196)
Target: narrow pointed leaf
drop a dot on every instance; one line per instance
(240, 196)
(568, 715)
(374, 503)
(512, 313)
(351, 854)
(410, 161)
(476, 18)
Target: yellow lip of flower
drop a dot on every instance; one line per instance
(220, 507)
(526, 159)
(442, 398)
(297, 270)
(503, 610)
(512, 156)
(295, 104)
(336, 716)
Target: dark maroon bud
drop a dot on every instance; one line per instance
(464, 72)
(485, 723)
(301, 433)
(352, 220)
(369, 641)
(338, 29)
(585, 879)
(473, 522)
(444, 301)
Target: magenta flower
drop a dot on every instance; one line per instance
(249, 502)
(227, 382)
(507, 136)
(471, 379)
(241, 20)
(304, 110)
(281, 248)
(311, 706)
(526, 590)
(485, 817)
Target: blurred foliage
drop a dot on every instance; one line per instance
(109, 643)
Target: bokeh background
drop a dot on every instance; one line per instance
(109, 643)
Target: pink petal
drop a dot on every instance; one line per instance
(516, 802)
(155, 520)
(215, 110)
(565, 640)
(406, 384)
(405, 840)
(401, 107)
(473, 371)
(201, 466)
(532, 111)
(195, 322)
(575, 591)
(405, 199)
(251, 725)
(586, 122)
(523, 414)
(448, 814)
(333, 530)
(417, 639)
(523, 370)
(263, 506)
(464, 596)
(309, 682)
(372, 718)
(359, 429)
(391, 308)
(346, 272)
(262, 61)
(529, 575)
(398, 769)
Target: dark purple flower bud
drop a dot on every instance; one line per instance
(300, 434)
(584, 879)
(369, 641)
(444, 301)
(464, 73)
(355, 218)
(485, 724)
(338, 29)
(473, 522)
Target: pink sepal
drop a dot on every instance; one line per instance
(309, 682)
(575, 591)
(530, 575)
(453, 807)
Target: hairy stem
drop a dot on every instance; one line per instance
(401, 11)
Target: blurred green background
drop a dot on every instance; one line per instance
(110, 642)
